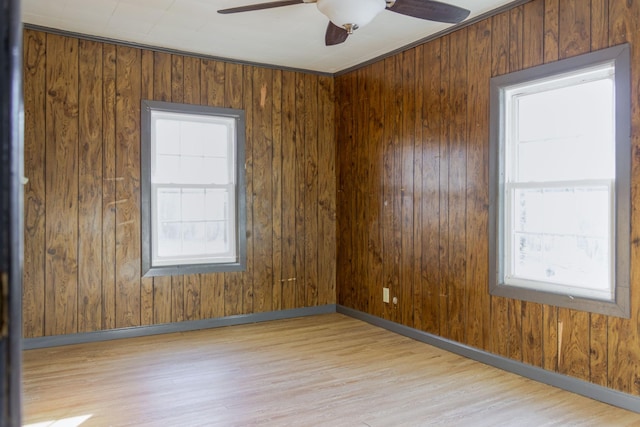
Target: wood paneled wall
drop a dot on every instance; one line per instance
(82, 201)
(413, 136)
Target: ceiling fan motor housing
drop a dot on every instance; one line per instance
(351, 14)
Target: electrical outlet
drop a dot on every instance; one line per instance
(385, 295)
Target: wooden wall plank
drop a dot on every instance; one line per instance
(247, 278)
(574, 27)
(394, 116)
(262, 171)
(301, 114)
(326, 234)
(311, 191)
(443, 190)
(90, 187)
(477, 186)
(430, 228)
(192, 82)
(359, 173)
(109, 187)
(551, 22)
(61, 182)
(192, 308)
(418, 271)
(391, 258)
(276, 186)
(373, 190)
(346, 287)
(457, 125)
(146, 283)
(128, 68)
(162, 76)
(162, 299)
(288, 190)
(533, 34)
(212, 296)
(177, 298)
(407, 194)
(177, 78)
(34, 285)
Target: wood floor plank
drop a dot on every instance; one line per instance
(318, 370)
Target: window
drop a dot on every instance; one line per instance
(193, 196)
(560, 183)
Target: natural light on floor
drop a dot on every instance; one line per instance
(64, 422)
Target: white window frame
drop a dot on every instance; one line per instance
(235, 258)
(504, 91)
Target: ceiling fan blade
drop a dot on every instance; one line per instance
(260, 6)
(431, 10)
(335, 35)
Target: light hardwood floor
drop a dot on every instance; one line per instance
(328, 370)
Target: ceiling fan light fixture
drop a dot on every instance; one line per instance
(351, 14)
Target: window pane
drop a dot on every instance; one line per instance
(562, 235)
(565, 210)
(191, 150)
(167, 136)
(168, 204)
(194, 222)
(193, 205)
(216, 171)
(217, 237)
(217, 204)
(169, 239)
(564, 112)
(192, 137)
(192, 170)
(569, 130)
(217, 142)
(193, 238)
(581, 262)
(167, 169)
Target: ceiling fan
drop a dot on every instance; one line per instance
(346, 16)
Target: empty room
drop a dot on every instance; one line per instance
(345, 213)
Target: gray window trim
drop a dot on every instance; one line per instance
(620, 307)
(145, 187)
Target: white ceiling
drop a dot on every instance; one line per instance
(287, 37)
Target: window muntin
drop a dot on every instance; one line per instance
(193, 210)
(560, 171)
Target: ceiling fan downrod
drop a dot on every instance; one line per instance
(350, 28)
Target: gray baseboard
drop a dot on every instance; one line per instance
(192, 325)
(574, 385)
